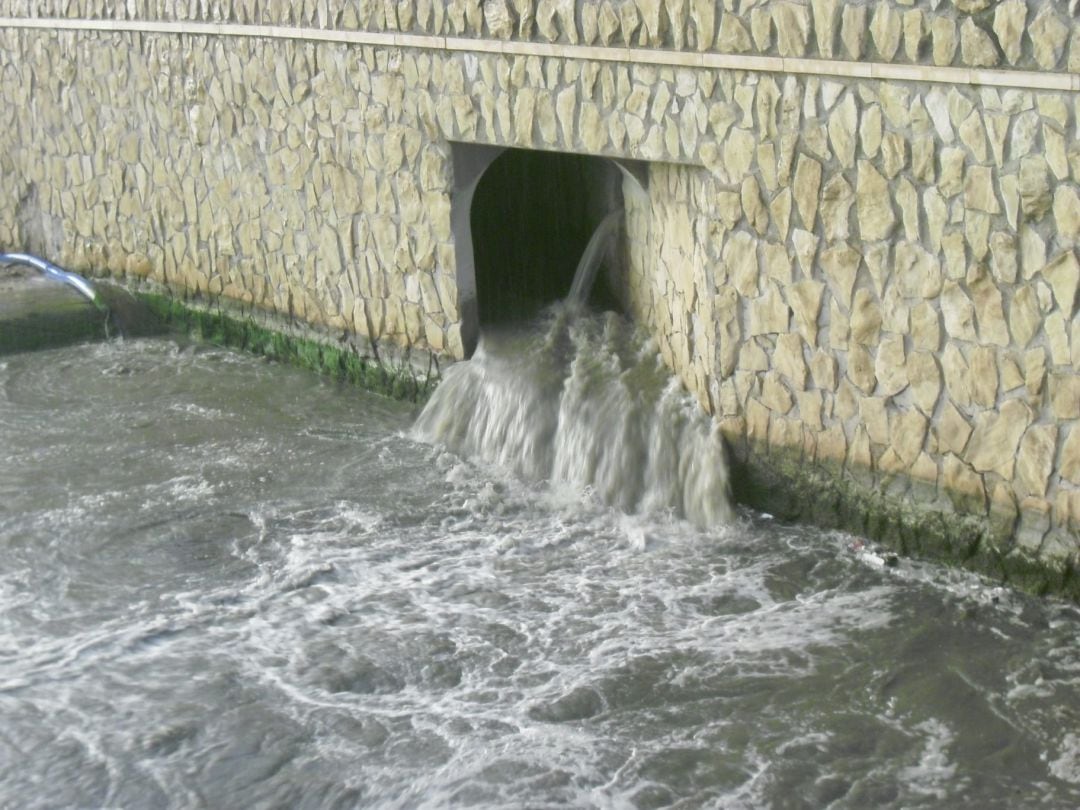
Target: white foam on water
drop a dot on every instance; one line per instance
(585, 401)
(1066, 765)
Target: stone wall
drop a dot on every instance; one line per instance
(871, 279)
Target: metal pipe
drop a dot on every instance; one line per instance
(54, 272)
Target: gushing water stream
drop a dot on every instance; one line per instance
(584, 401)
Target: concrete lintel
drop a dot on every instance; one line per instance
(1032, 80)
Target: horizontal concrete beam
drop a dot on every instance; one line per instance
(978, 77)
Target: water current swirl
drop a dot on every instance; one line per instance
(228, 583)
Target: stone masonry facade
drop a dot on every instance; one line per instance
(872, 278)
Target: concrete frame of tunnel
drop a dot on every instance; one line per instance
(470, 162)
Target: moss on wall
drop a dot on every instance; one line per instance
(342, 362)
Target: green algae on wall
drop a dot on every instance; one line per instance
(341, 362)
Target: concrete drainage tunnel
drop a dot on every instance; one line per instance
(523, 220)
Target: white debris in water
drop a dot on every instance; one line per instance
(934, 774)
(1067, 766)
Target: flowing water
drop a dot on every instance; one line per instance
(227, 583)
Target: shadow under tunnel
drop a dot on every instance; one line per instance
(531, 219)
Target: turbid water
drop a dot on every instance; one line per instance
(227, 583)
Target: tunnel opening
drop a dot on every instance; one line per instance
(532, 216)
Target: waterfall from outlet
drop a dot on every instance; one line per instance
(584, 400)
(592, 257)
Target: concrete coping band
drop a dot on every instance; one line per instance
(977, 77)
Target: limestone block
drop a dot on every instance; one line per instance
(739, 258)
(1035, 460)
(925, 327)
(977, 48)
(780, 211)
(996, 438)
(989, 307)
(963, 485)
(859, 456)
(908, 430)
(907, 198)
(860, 369)
(996, 126)
(825, 25)
(1057, 336)
(792, 23)
(984, 376)
(739, 151)
(841, 264)
(1070, 456)
(1075, 340)
(607, 23)
(885, 29)
(890, 366)
(823, 369)
(733, 36)
(943, 34)
(853, 30)
(629, 21)
(566, 104)
(914, 32)
(1067, 213)
(805, 298)
(959, 312)
(836, 200)
(870, 130)
(873, 204)
(1004, 262)
(973, 136)
(815, 138)
(703, 15)
(953, 430)
(1025, 317)
(769, 314)
(761, 28)
(752, 357)
(1063, 275)
(807, 184)
(774, 394)
(1032, 252)
(957, 373)
(805, 244)
(789, 360)
(951, 179)
(1025, 132)
(924, 377)
(1065, 396)
(753, 207)
(499, 19)
(875, 418)
(936, 213)
(776, 263)
(1011, 375)
(936, 103)
(865, 319)
(876, 256)
(1035, 369)
(842, 127)
(1048, 36)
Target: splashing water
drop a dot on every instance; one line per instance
(585, 401)
(228, 583)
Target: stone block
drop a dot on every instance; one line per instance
(1065, 396)
(1070, 455)
(996, 438)
(1035, 459)
(873, 204)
